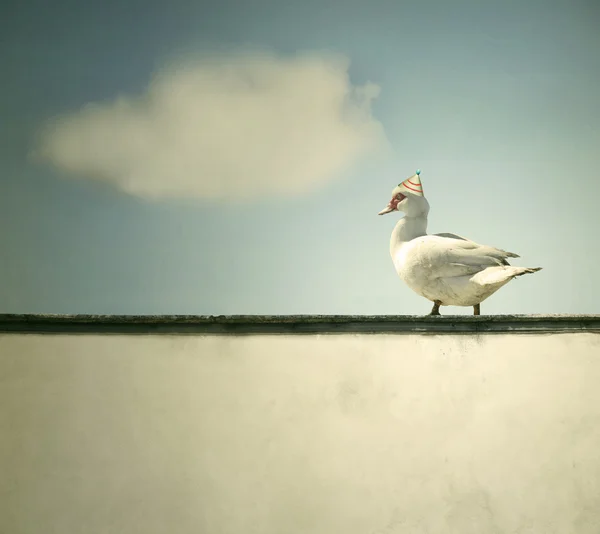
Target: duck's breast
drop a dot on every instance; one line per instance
(411, 264)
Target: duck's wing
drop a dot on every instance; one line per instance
(446, 257)
(461, 238)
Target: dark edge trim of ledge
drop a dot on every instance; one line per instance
(295, 324)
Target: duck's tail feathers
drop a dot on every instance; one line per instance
(520, 271)
(501, 275)
(528, 270)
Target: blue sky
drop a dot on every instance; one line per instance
(496, 102)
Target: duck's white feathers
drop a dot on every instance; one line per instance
(500, 275)
(455, 271)
(445, 257)
(456, 236)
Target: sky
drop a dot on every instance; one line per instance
(187, 157)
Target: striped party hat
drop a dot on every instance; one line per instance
(412, 185)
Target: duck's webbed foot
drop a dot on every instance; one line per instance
(436, 308)
(476, 310)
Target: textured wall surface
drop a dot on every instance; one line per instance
(353, 434)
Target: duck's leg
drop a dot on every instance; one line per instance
(476, 310)
(436, 308)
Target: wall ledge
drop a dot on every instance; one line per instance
(296, 324)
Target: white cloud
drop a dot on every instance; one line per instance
(229, 126)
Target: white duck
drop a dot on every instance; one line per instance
(445, 268)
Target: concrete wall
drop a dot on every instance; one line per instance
(320, 434)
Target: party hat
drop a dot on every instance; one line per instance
(412, 185)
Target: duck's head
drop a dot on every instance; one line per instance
(408, 198)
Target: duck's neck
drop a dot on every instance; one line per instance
(407, 229)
